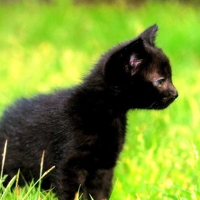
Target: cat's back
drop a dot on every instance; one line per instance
(29, 115)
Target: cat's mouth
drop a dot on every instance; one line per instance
(164, 102)
(167, 100)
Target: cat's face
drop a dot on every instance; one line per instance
(141, 72)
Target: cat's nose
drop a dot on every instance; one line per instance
(175, 94)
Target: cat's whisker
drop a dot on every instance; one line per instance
(152, 105)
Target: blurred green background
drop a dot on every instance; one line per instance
(46, 45)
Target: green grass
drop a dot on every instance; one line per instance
(45, 47)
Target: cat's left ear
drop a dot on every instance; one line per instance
(124, 60)
(134, 55)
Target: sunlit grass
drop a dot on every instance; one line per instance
(45, 47)
(30, 191)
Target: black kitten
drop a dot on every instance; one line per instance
(82, 129)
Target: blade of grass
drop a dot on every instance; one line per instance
(91, 197)
(41, 171)
(78, 195)
(3, 160)
(43, 175)
(7, 189)
(17, 191)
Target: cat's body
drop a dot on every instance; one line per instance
(82, 129)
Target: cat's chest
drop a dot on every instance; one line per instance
(110, 130)
(100, 135)
(109, 143)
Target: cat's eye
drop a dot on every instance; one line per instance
(159, 82)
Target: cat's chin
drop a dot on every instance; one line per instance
(162, 104)
(158, 107)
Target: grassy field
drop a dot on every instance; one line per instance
(48, 46)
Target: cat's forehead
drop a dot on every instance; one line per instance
(159, 64)
(157, 55)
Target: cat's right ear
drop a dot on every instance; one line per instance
(149, 34)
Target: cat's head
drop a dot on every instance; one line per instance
(140, 73)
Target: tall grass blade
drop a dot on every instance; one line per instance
(91, 197)
(17, 192)
(7, 189)
(3, 161)
(41, 171)
(43, 175)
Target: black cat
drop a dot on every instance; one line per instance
(82, 129)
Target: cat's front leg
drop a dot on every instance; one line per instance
(99, 184)
(66, 185)
(70, 176)
(68, 182)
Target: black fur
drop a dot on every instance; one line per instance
(82, 129)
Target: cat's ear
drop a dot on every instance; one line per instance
(124, 60)
(135, 55)
(133, 66)
(149, 34)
